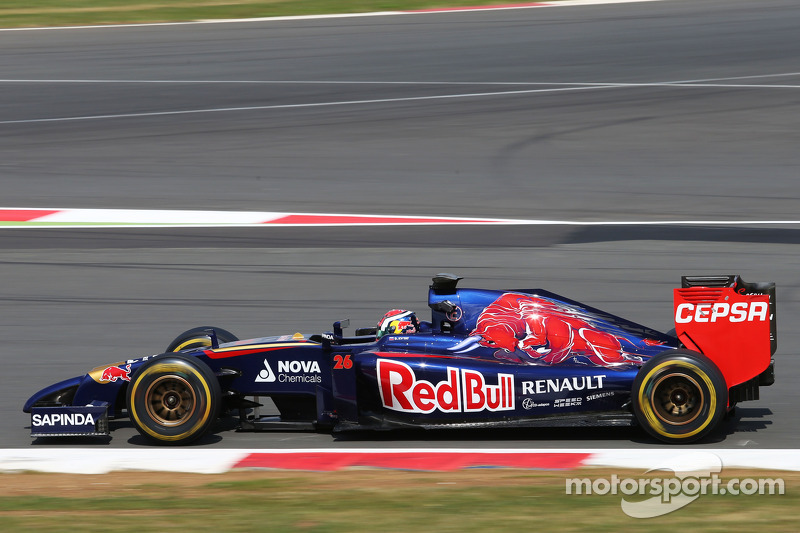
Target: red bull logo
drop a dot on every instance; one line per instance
(546, 331)
(463, 390)
(113, 373)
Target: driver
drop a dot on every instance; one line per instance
(396, 322)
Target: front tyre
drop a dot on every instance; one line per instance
(199, 338)
(679, 396)
(173, 399)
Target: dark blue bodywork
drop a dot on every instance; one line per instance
(556, 362)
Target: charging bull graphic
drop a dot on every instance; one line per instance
(546, 332)
(113, 373)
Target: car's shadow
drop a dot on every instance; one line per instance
(95, 440)
(741, 423)
(100, 440)
(744, 422)
(499, 436)
(221, 426)
(211, 438)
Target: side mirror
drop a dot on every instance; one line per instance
(212, 334)
(445, 306)
(339, 326)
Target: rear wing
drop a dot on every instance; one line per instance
(730, 321)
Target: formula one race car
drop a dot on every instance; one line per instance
(487, 358)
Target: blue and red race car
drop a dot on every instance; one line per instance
(514, 358)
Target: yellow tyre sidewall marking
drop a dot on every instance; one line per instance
(650, 415)
(204, 341)
(170, 367)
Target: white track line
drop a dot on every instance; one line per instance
(86, 460)
(138, 218)
(553, 87)
(740, 223)
(709, 82)
(393, 100)
(556, 3)
(214, 21)
(301, 106)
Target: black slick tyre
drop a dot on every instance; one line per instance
(679, 396)
(198, 338)
(173, 399)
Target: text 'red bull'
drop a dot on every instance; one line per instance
(463, 390)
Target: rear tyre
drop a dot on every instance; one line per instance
(173, 399)
(198, 338)
(679, 396)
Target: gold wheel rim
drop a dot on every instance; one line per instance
(677, 399)
(170, 400)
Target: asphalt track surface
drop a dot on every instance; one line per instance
(610, 120)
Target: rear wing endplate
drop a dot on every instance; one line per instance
(730, 321)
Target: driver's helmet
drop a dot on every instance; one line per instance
(397, 321)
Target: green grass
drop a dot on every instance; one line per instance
(358, 501)
(27, 13)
